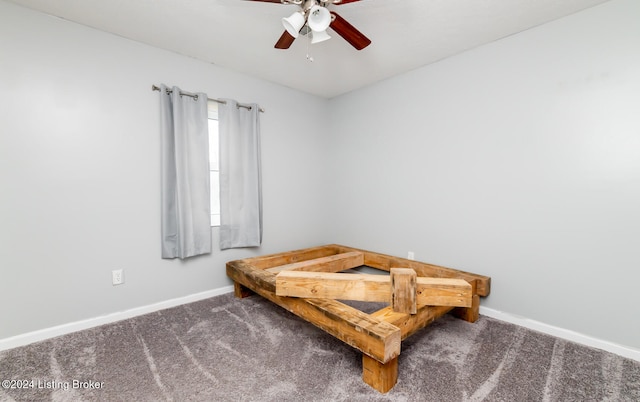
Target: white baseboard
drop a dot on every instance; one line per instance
(624, 351)
(47, 333)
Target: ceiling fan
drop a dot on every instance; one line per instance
(314, 18)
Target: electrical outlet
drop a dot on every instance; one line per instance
(117, 277)
(411, 255)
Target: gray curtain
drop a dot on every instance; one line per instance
(186, 225)
(240, 176)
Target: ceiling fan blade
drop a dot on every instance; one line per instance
(285, 41)
(349, 32)
(274, 1)
(345, 2)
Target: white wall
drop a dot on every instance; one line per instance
(519, 160)
(79, 172)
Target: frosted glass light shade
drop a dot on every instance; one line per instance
(319, 18)
(294, 23)
(319, 36)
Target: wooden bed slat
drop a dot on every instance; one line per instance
(332, 263)
(289, 257)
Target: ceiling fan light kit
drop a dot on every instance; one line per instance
(314, 17)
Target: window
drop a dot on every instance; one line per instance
(214, 165)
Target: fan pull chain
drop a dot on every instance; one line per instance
(309, 56)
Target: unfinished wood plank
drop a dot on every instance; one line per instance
(403, 290)
(443, 292)
(289, 257)
(386, 262)
(363, 287)
(411, 323)
(374, 337)
(333, 263)
(370, 288)
(247, 275)
(470, 313)
(380, 376)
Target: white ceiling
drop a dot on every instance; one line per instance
(240, 34)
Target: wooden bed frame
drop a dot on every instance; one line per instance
(377, 335)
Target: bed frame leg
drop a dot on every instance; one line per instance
(380, 376)
(470, 314)
(240, 291)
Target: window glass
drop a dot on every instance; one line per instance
(214, 165)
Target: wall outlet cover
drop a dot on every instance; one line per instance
(117, 277)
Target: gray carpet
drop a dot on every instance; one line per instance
(227, 349)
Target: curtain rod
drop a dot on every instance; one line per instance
(157, 88)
